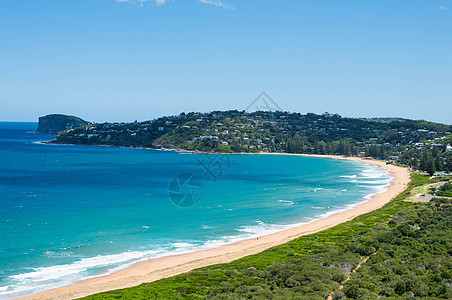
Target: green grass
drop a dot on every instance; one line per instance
(412, 247)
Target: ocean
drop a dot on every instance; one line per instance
(73, 212)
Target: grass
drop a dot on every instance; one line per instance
(411, 247)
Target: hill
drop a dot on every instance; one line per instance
(419, 144)
(56, 123)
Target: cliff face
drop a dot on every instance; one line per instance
(54, 124)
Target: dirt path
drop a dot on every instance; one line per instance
(330, 296)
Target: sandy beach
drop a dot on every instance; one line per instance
(152, 270)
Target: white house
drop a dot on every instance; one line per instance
(448, 148)
(440, 175)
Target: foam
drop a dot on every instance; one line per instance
(383, 181)
(183, 245)
(287, 202)
(317, 189)
(58, 271)
(261, 229)
(348, 176)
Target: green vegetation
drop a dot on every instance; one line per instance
(54, 124)
(419, 144)
(408, 246)
(444, 190)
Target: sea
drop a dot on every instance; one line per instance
(69, 213)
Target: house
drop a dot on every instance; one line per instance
(448, 148)
(440, 175)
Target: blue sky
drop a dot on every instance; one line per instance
(108, 60)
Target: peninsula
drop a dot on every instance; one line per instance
(418, 144)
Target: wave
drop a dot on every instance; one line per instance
(48, 273)
(318, 207)
(45, 278)
(183, 245)
(370, 175)
(261, 229)
(317, 189)
(348, 176)
(287, 202)
(383, 181)
(373, 172)
(56, 254)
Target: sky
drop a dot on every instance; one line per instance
(108, 60)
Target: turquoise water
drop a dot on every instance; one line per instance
(72, 212)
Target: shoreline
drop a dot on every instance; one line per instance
(157, 268)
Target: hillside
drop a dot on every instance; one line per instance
(414, 143)
(56, 123)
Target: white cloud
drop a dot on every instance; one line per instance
(217, 3)
(141, 2)
(443, 7)
(160, 2)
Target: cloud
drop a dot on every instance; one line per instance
(443, 7)
(217, 3)
(141, 2)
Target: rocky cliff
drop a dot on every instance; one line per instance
(55, 123)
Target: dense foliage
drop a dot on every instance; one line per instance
(408, 247)
(444, 190)
(55, 123)
(419, 144)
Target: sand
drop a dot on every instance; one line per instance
(152, 270)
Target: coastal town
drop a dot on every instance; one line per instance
(418, 144)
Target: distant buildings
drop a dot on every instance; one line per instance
(441, 175)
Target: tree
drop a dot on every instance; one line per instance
(427, 163)
(430, 166)
(449, 162)
(439, 165)
(435, 151)
(381, 152)
(372, 151)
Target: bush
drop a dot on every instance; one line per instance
(351, 290)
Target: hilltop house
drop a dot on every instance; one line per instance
(448, 148)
